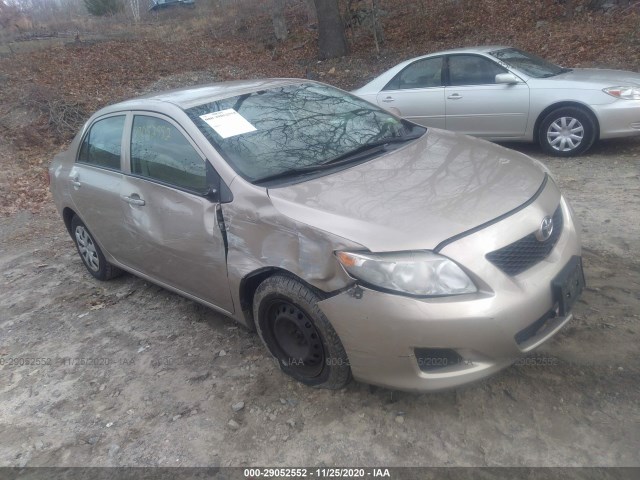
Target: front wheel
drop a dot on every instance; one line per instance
(298, 335)
(567, 132)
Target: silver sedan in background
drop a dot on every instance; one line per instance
(505, 94)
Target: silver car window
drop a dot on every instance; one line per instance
(102, 144)
(425, 73)
(473, 70)
(159, 151)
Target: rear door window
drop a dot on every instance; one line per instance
(102, 145)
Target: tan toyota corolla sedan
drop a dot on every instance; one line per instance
(355, 243)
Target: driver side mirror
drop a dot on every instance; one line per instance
(507, 78)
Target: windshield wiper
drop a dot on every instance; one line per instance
(562, 70)
(357, 154)
(369, 148)
(293, 172)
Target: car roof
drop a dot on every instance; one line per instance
(197, 95)
(481, 49)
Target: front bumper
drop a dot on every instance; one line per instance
(618, 119)
(382, 332)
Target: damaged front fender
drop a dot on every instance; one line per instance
(261, 239)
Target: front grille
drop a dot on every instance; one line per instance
(526, 252)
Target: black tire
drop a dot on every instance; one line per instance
(571, 128)
(90, 252)
(298, 335)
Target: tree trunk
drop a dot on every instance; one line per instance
(376, 26)
(311, 12)
(569, 9)
(135, 10)
(277, 17)
(331, 40)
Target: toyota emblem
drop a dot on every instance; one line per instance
(545, 230)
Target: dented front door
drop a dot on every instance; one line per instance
(170, 224)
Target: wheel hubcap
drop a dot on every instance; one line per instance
(87, 248)
(297, 341)
(565, 134)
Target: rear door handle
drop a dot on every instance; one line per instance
(455, 96)
(134, 199)
(388, 99)
(76, 182)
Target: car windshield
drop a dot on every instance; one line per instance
(297, 129)
(527, 63)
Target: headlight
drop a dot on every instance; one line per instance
(626, 92)
(415, 273)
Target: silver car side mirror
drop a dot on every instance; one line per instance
(508, 78)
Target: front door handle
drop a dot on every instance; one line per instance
(134, 199)
(75, 181)
(455, 96)
(388, 99)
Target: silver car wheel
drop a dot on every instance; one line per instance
(565, 134)
(87, 248)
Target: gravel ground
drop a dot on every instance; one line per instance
(175, 384)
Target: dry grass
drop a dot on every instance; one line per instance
(64, 115)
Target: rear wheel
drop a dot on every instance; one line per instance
(566, 132)
(298, 335)
(90, 252)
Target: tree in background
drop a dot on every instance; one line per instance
(12, 20)
(277, 17)
(331, 39)
(310, 8)
(104, 7)
(59, 13)
(365, 13)
(134, 6)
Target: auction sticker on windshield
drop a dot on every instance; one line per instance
(228, 123)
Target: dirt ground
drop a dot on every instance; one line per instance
(125, 373)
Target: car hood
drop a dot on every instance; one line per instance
(598, 77)
(417, 196)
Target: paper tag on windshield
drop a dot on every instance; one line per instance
(228, 123)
